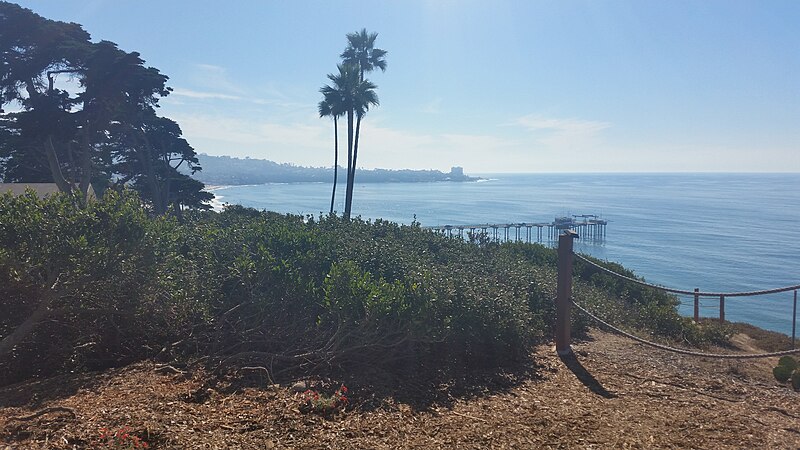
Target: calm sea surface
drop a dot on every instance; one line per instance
(716, 232)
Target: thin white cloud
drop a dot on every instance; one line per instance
(309, 142)
(211, 68)
(432, 107)
(482, 142)
(220, 135)
(572, 126)
(204, 95)
(217, 82)
(388, 147)
(563, 134)
(209, 76)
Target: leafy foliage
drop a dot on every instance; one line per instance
(782, 373)
(99, 126)
(100, 275)
(788, 361)
(786, 370)
(315, 402)
(291, 293)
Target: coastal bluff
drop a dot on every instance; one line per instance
(230, 171)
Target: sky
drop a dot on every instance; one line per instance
(492, 86)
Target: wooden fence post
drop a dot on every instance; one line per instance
(696, 305)
(564, 292)
(722, 308)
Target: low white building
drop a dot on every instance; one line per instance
(41, 189)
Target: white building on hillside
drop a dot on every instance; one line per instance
(41, 189)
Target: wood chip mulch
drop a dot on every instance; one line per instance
(612, 394)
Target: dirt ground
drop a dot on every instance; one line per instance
(613, 394)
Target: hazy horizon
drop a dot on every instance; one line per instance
(499, 87)
(516, 173)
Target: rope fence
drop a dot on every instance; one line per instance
(697, 294)
(684, 291)
(564, 301)
(681, 350)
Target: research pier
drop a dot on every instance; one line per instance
(588, 226)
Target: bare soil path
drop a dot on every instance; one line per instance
(613, 394)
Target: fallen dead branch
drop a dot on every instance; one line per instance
(52, 409)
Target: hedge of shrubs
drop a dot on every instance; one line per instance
(295, 294)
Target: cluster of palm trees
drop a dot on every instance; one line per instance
(350, 95)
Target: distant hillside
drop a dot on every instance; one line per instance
(225, 170)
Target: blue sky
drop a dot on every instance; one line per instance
(493, 86)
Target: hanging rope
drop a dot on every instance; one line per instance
(683, 291)
(680, 350)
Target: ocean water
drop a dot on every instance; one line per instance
(715, 232)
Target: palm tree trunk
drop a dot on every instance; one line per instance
(349, 190)
(335, 159)
(351, 176)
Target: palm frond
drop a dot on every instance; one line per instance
(361, 51)
(324, 108)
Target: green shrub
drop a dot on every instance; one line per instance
(300, 294)
(788, 361)
(101, 274)
(787, 368)
(782, 373)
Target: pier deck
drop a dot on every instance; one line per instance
(588, 226)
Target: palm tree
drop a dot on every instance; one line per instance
(340, 93)
(330, 106)
(361, 52)
(353, 97)
(365, 97)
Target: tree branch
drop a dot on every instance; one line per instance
(41, 313)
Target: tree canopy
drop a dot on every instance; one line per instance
(82, 113)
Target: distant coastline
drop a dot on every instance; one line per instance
(229, 171)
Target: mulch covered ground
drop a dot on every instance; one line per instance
(613, 394)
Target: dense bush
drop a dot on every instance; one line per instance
(345, 293)
(96, 280)
(293, 293)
